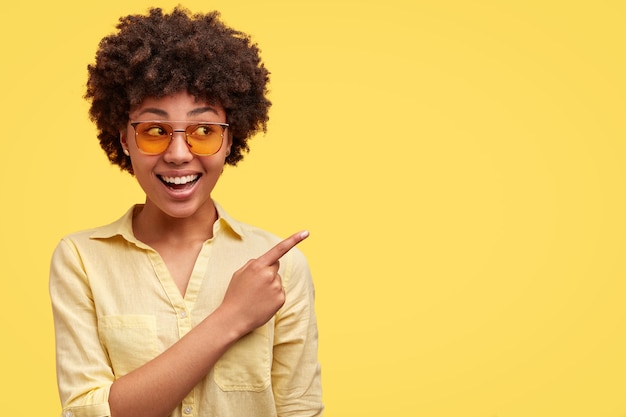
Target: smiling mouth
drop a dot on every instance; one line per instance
(179, 183)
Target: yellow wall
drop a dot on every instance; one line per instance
(460, 164)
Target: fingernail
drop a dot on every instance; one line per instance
(304, 234)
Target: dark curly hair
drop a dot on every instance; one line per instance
(159, 54)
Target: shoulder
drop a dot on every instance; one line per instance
(95, 236)
(265, 240)
(245, 233)
(256, 240)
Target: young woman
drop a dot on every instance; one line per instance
(177, 309)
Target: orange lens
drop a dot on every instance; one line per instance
(204, 139)
(153, 138)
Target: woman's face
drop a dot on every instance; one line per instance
(177, 182)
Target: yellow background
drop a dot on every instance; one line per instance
(460, 166)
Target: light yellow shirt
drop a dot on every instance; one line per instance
(116, 307)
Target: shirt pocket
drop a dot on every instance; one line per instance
(130, 340)
(246, 366)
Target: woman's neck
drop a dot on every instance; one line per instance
(153, 226)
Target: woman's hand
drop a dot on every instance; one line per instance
(255, 292)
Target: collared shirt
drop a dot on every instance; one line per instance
(116, 307)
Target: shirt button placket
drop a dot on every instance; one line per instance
(184, 321)
(184, 326)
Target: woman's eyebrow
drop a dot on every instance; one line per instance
(201, 110)
(153, 110)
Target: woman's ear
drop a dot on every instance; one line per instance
(229, 143)
(124, 143)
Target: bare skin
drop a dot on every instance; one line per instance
(178, 241)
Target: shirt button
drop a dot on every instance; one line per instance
(182, 314)
(68, 413)
(187, 410)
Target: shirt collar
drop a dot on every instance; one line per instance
(225, 219)
(124, 225)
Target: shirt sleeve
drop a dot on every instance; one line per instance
(296, 377)
(84, 375)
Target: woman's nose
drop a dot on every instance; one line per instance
(178, 150)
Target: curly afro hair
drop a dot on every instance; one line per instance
(159, 54)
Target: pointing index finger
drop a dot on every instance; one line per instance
(273, 255)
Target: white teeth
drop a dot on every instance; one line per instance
(180, 180)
